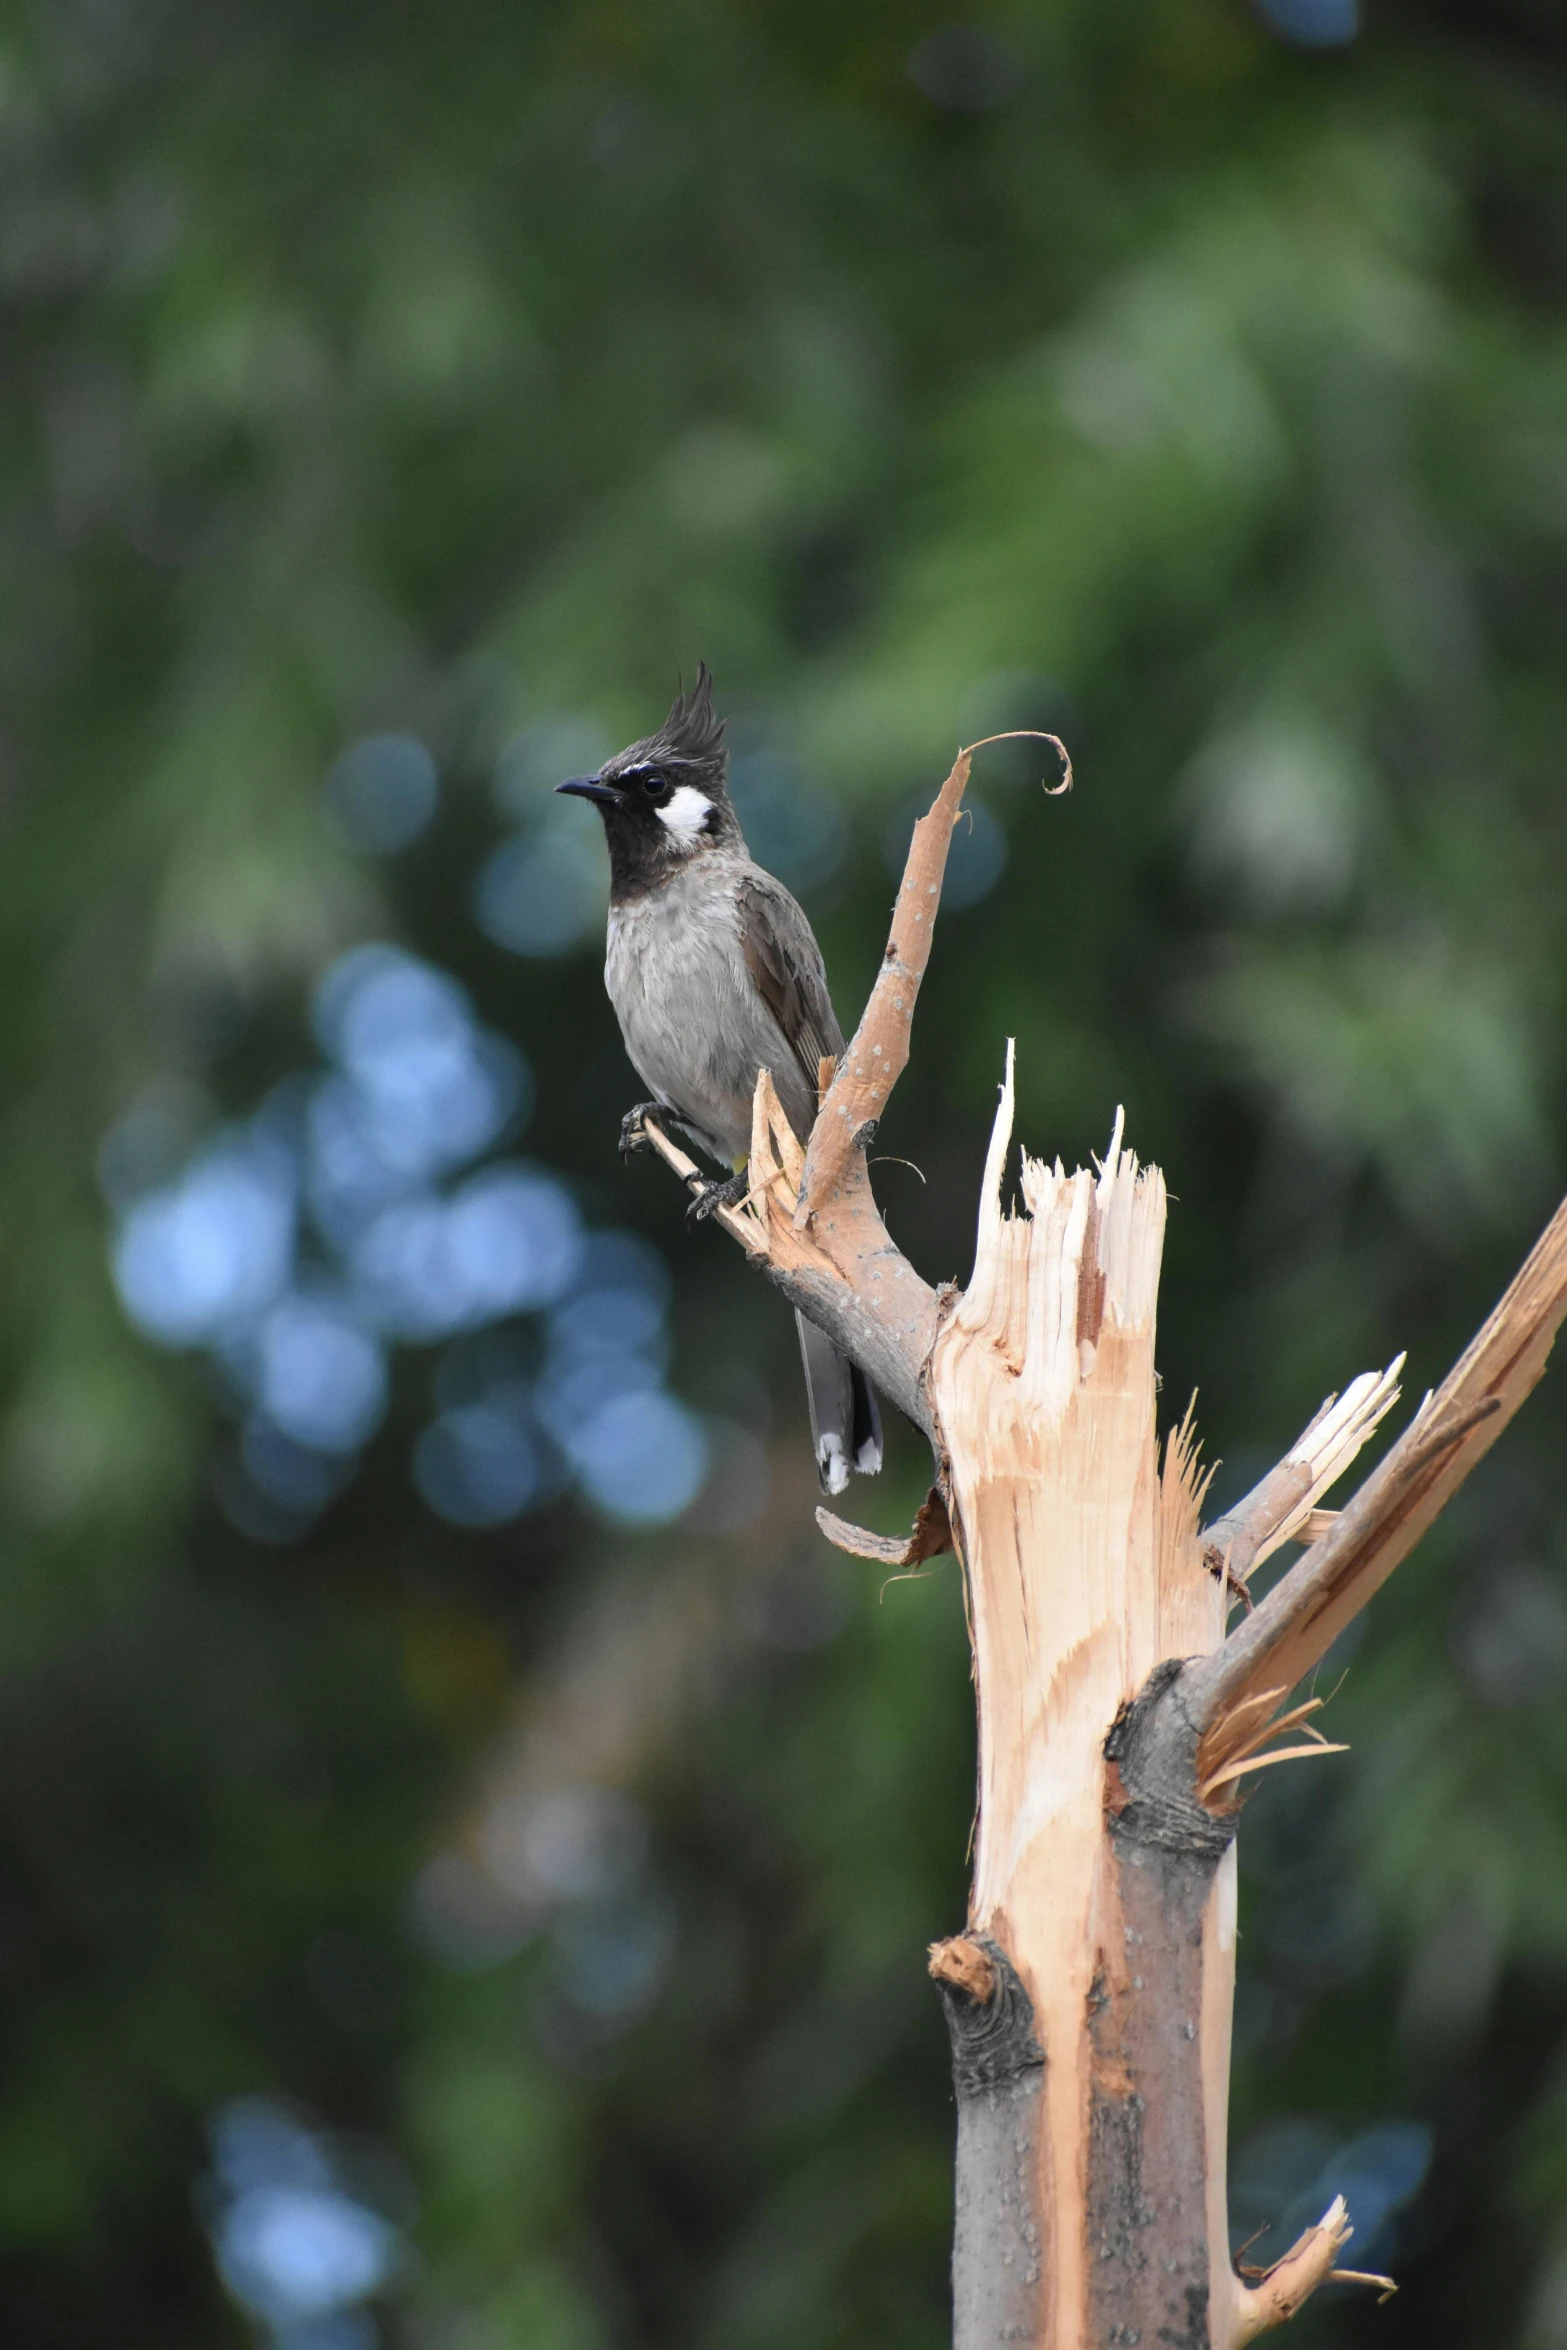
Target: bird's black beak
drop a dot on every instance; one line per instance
(588, 787)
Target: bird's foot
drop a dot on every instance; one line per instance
(634, 1126)
(712, 1196)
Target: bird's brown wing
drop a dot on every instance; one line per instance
(785, 963)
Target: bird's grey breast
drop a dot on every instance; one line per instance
(694, 1026)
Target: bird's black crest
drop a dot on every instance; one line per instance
(693, 733)
(692, 736)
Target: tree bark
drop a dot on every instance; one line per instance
(998, 2081)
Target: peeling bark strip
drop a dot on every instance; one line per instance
(998, 2075)
(930, 1536)
(1089, 2000)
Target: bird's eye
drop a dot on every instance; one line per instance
(651, 783)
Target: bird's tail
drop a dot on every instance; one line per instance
(845, 1423)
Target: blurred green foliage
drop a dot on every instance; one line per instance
(467, 370)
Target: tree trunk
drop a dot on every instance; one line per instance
(1107, 1886)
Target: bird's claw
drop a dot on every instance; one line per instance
(706, 1197)
(634, 1126)
(713, 1196)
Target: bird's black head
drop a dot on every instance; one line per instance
(664, 800)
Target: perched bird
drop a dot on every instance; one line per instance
(714, 975)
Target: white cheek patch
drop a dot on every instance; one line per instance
(685, 814)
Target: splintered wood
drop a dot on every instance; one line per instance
(1292, 2280)
(1086, 1569)
(1283, 1507)
(1092, 1568)
(1296, 1624)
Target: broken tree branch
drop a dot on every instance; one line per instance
(1292, 2280)
(878, 1052)
(1293, 1628)
(1280, 1509)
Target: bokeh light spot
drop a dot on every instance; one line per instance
(477, 1466)
(288, 2252)
(319, 1376)
(381, 794)
(515, 1241)
(424, 1089)
(641, 1458)
(571, 1843)
(794, 830)
(215, 1246)
(507, 1242)
(613, 1960)
(541, 893)
(295, 2244)
(1313, 24)
(541, 756)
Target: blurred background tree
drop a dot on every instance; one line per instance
(468, 1846)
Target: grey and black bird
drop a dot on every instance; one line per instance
(715, 974)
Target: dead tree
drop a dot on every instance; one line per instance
(1089, 1997)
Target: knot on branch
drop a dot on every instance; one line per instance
(1151, 1750)
(990, 2017)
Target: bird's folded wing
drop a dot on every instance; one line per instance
(785, 964)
